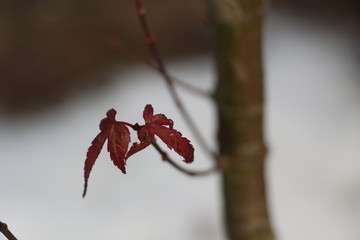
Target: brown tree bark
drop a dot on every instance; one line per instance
(237, 34)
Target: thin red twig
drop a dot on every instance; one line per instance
(115, 44)
(166, 158)
(151, 43)
(5, 230)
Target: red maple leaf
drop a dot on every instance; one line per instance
(162, 127)
(118, 137)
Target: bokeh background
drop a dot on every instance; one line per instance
(60, 74)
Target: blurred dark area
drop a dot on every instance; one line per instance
(340, 15)
(342, 10)
(52, 49)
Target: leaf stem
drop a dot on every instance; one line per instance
(166, 158)
(133, 126)
(5, 230)
(151, 43)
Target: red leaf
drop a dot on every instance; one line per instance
(145, 137)
(118, 142)
(118, 137)
(92, 154)
(156, 125)
(174, 140)
(158, 118)
(148, 113)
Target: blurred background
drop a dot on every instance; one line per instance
(60, 74)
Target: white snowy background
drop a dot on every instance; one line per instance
(313, 131)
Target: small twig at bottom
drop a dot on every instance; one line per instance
(166, 158)
(4, 229)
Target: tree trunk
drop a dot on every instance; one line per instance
(237, 34)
